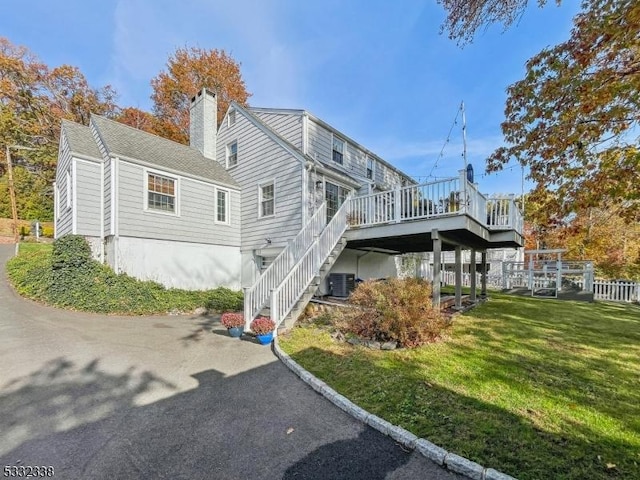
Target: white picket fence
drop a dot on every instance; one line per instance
(614, 291)
(605, 290)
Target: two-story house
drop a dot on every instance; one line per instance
(272, 201)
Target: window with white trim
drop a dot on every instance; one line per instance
(371, 165)
(338, 150)
(267, 200)
(161, 193)
(222, 206)
(69, 188)
(231, 118)
(232, 154)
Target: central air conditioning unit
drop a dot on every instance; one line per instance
(341, 284)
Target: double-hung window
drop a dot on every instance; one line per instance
(370, 168)
(267, 194)
(161, 193)
(338, 150)
(232, 154)
(222, 206)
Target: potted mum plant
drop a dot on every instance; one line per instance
(234, 323)
(263, 327)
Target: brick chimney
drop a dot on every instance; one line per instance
(203, 123)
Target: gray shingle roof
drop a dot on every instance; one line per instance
(80, 139)
(126, 141)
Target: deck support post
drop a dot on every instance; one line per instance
(437, 257)
(472, 275)
(483, 277)
(458, 256)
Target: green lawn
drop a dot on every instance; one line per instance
(535, 388)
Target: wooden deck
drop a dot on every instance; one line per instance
(405, 219)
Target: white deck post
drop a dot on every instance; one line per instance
(397, 211)
(437, 257)
(458, 257)
(483, 277)
(472, 275)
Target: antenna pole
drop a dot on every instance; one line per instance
(464, 136)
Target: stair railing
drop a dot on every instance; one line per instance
(257, 296)
(286, 295)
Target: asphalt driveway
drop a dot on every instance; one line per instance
(174, 397)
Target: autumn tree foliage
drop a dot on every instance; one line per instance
(466, 17)
(600, 234)
(136, 118)
(33, 100)
(574, 118)
(188, 70)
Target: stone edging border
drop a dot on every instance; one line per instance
(439, 455)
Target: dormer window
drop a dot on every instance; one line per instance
(338, 150)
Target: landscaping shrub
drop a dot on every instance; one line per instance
(30, 273)
(223, 299)
(67, 276)
(397, 310)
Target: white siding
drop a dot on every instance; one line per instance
(87, 198)
(319, 142)
(192, 266)
(364, 265)
(355, 158)
(195, 203)
(64, 222)
(287, 125)
(260, 160)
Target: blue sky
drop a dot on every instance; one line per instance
(377, 70)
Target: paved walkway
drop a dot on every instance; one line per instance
(173, 397)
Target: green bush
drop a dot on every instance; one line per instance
(394, 310)
(67, 276)
(71, 252)
(30, 273)
(47, 232)
(224, 299)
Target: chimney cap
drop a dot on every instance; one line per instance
(204, 90)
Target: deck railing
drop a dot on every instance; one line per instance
(414, 202)
(257, 296)
(291, 289)
(452, 196)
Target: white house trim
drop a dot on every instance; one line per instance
(176, 193)
(227, 213)
(85, 158)
(56, 206)
(101, 212)
(112, 220)
(178, 173)
(270, 133)
(260, 186)
(74, 196)
(305, 133)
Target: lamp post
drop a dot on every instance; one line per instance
(12, 190)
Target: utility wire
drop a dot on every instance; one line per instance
(455, 122)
